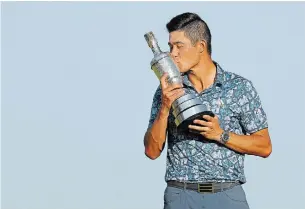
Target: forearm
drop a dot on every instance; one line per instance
(155, 137)
(254, 144)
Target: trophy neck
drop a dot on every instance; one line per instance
(152, 43)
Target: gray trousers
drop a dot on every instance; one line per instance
(179, 198)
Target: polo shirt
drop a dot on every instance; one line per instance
(192, 158)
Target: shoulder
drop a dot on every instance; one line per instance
(239, 87)
(234, 80)
(158, 92)
(157, 97)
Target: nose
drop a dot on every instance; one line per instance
(174, 53)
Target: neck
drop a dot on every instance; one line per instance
(203, 74)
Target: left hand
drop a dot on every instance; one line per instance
(210, 129)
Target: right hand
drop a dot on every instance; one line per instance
(170, 92)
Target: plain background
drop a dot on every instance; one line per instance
(77, 90)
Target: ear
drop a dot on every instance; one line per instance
(202, 46)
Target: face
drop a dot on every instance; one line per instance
(185, 54)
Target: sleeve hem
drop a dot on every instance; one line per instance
(257, 129)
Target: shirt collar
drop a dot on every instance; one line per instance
(219, 79)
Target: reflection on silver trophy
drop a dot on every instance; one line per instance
(186, 108)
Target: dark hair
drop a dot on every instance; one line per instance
(193, 26)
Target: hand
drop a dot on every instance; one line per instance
(210, 128)
(170, 92)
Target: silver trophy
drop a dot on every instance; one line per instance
(187, 107)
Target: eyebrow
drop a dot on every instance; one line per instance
(177, 42)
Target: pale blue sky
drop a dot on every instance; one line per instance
(77, 90)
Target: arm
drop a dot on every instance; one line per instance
(253, 120)
(258, 143)
(155, 136)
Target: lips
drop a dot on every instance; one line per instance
(176, 60)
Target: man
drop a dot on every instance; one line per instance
(205, 170)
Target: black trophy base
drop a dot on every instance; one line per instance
(189, 121)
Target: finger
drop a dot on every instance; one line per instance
(175, 96)
(167, 87)
(204, 134)
(175, 92)
(199, 128)
(176, 85)
(163, 80)
(206, 129)
(203, 123)
(208, 118)
(178, 95)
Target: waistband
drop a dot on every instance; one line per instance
(207, 187)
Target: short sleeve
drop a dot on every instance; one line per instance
(155, 107)
(253, 117)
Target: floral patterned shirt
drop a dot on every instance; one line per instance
(191, 157)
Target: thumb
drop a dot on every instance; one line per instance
(163, 80)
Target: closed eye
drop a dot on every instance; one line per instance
(171, 48)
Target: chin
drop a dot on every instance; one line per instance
(184, 71)
(182, 68)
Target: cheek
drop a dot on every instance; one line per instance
(189, 58)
